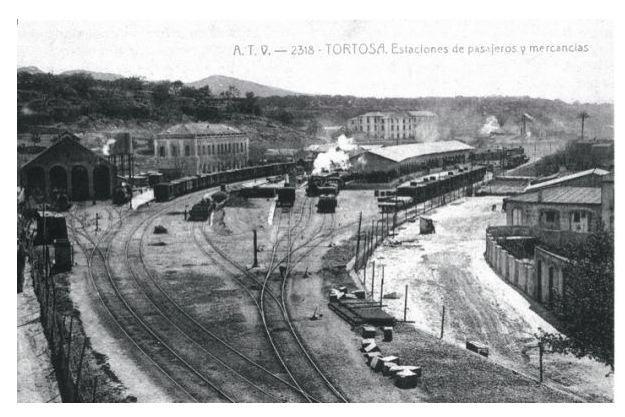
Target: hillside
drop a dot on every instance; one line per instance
(30, 70)
(103, 76)
(84, 104)
(219, 84)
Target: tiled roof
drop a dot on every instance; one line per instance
(595, 171)
(200, 129)
(400, 113)
(399, 153)
(561, 195)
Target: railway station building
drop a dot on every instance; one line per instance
(68, 166)
(411, 157)
(195, 148)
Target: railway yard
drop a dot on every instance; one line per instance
(182, 314)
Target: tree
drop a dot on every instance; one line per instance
(35, 138)
(583, 116)
(160, 92)
(587, 306)
(176, 86)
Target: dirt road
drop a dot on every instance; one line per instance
(448, 269)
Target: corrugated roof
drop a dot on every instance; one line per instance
(200, 129)
(562, 195)
(399, 153)
(595, 171)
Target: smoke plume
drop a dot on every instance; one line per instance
(107, 146)
(336, 157)
(491, 125)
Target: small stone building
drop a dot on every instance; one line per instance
(68, 166)
(549, 216)
(575, 209)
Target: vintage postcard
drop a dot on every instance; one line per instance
(311, 211)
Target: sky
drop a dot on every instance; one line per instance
(192, 50)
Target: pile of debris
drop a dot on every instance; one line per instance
(404, 376)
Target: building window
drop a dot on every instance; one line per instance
(550, 219)
(187, 150)
(580, 221)
(161, 151)
(517, 217)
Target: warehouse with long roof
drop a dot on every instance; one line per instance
(411, 156)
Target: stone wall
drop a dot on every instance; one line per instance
(541, 277)
(517, 272)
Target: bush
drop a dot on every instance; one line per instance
(159, 230)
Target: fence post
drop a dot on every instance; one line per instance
(95, 387)
(69, 346)
(82, 356)
(372, 279)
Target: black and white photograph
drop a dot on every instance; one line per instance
(338, 210)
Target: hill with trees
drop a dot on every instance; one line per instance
(85, 101)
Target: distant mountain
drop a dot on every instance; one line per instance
(30, 70)
(103, 76)
(220, 83)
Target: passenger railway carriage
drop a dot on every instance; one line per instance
(169, 190)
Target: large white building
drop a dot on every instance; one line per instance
(396, 125)
(194, 148)
(412, 157)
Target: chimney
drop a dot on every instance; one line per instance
(540, 196)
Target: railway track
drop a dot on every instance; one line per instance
(271, 303)
(120, 309)
(162, 331)
(186, 381)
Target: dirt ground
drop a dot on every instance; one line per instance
(448, 269)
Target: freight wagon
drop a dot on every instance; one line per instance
(327, 203)
(166, 191)
(437, 185)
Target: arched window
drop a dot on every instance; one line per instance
(187, 150)
(161, 151)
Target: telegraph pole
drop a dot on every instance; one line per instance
(255, 265)
(358, 241)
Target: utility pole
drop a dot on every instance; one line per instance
(358, 241)
(443, 322)
(97, 226)
(255, 265)
(382, 287)
(405, 301)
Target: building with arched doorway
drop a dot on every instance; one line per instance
(68, 166)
